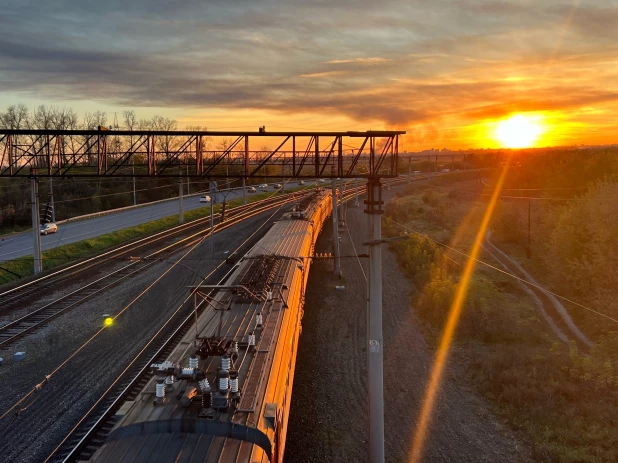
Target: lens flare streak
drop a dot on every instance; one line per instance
(451, 324)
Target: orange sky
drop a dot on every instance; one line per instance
(446, 71)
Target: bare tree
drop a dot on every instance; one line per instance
(129, 119)
(15, 117)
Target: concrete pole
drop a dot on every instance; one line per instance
(283, 175)
(188, 181)
(356, 191)
(341, 215)
(374, 325)
(134, 195)
(51, 200)
(181, 212)
(36, 221)
(212, 224)
(244, 190)
(335, 229)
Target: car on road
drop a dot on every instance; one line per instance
(301, 182)
(49, 228)
(277, 186)
(416, 172)
(322, 180)
(251, 189)
(204, 199)
(263, 187)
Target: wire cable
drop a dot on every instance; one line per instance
(505, 272)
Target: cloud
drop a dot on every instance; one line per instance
(359, 61)
(465, 60)
(322, 74)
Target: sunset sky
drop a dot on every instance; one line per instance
(446, 71)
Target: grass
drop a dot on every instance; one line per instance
(563, 402)
(61, 255)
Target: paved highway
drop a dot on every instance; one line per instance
(20, 245)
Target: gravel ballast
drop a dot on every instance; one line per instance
(329, 409)
(50, 413)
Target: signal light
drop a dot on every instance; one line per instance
(46, 214)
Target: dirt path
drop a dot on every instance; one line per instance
(555, 308)
(328, 418)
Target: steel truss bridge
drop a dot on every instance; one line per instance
(124, 153)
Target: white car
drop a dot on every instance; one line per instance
(204, 199)
(263, 187)
(301, 182)
(251, 189)
(277, 186)
(322, 180)
(416, 172)
(49, 228)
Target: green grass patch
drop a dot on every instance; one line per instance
(61, 255)
(564, 401)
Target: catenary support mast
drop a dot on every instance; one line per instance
(375, 351)
(36, 221)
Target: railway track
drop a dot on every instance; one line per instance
(89, 434)
(13, 331)
(21, 292)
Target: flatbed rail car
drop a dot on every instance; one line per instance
(224, 394)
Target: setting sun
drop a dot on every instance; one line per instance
(518, 131)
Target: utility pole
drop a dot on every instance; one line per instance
(375, 351)
(134, 195)
(212, 223)
(356, 191)
(341, 214)
(51, 200)
(335, 227)
(188, 181)
(244, 190)
(36, 221)
(283, 175)
(181, 212)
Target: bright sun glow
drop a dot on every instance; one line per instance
(109, 321)
(518, 131)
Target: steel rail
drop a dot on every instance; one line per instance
(137, 382)
(134, 381)
(33, 286)
(12, 331)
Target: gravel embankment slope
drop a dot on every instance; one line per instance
(71, 392)
(328, 417)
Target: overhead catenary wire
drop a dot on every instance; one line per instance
(160, 329)
(504, 272)
(38, 387)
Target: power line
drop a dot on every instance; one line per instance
(504, 272)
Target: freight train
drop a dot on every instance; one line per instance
(224, 393)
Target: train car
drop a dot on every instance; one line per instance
(224, 393)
